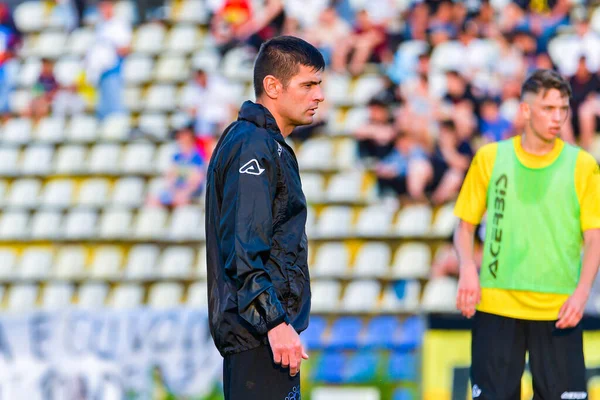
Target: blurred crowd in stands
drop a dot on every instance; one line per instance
(452, 69)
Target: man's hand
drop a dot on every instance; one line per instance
(469, 291)
(287, 348)
(571, 312)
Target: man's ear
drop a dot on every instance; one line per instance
(272, 86)
(525, 109)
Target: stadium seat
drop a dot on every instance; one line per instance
(412, 261)
(380, 332)
(37, 160)
(403, 394)
(345, 333)
(346, 156)
(128, 192)
(106, 263)
(138, 158)
(3, 190)
(361, 296)
(22, 298)
(313, 336)
(80, 224)
(373, 260)
(313, 186)
(57, 194)
(440, 295)
(104, 158)
(335, 221)
(141, 262)
(9, 160)
(176, 262)
(197, 295)
(366, 87)
(187, 223)
(160, 98)
(92, 296)
(164, 157)
(19, 101)
(316, 154)
(67, 70)
(150, 223)
(116, 127)
(44, 225)
(57, 296)
(332, 260)
(35, 264)
(14, 225)
(17, 131)
(50, 130)
(126, 296)
(237, 64)
(165, 295)
(336, 88)
(137, 69)
(70, 263)
(50, 44)
(183, 38)
(154, 124)
(149, 38)
(374, 221)
(8, 260)
(414, 221)
(410, 336)
(192, 11)
(24, 193)
(345, 187)
(201, 271)
(310, 221)
(82, 129)
(115, 224)
(80, 41)
(93, 192)
(325, 296)
(29, 72)
(445, 221)
(206, 59)
(70, 160)
(29, 16)
(172, 69)
(355, 117)
(401, 296)
(133, 98)
(361, 367)
(330, 368)
(402, 367)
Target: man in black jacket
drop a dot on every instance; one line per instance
(258, 280)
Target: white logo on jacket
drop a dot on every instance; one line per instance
(252, 167)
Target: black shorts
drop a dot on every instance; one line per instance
(498, 350)
(253, 375)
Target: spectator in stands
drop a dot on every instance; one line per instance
(10, 41)
(402, 169)
(185, 178)
(105, 57)
(330, 30)
(492, 125)
(68, 101)
(448, 165)
(585, 103)
(369, 41)
(376, 137)
(44, 91)
(460, 104)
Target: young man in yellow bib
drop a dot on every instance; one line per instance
(542, 198)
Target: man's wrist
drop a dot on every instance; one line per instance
(278, 321)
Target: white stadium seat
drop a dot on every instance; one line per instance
(116, 224)
(44, 225)
(37, 160)
(92, 296)
(82, 128)
(128, 192)
(183, 38)
(58, 194)
(126, 296)
(24, 193)
(414, 221)
(50, 129)
(440, 295)
(361, 296)
(165, 295)
(116, 127)
(187, 223)
(335, 221)
(14, 225)
(8, 260)
(149, 38)
(80, 224)
(372, 260)
(141, 262)
(375, 220)
(22, 298)
(325, 296)
(137, 69)
(35, 264)
(150, 223)
(107, 262)
(176, 262)
(104, 158)
(197, 295)
(70, 263)
(332, 260)
(412, 261)
(57, 296)
(9, 160)
(138, 158)
(94, 192)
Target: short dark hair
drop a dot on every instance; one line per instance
(282, 57)
(542, 80)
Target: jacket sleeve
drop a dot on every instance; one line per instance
(250, 181)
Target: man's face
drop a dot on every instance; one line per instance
(106, 9)
(546, 112)
(298, 102)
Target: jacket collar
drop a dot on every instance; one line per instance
(261, 117)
